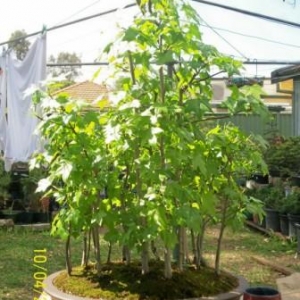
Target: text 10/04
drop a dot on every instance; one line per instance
(40, 272)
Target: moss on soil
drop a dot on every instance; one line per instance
(119, 281)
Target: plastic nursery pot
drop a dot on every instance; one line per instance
(261, 293)
(293, 219)
(284, 224)
(297, 225)
(272, 219)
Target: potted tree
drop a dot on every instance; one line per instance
(37, 207)
(272, 202)
(163, 172)
(292, 206)
(5, 180)
(283, 158)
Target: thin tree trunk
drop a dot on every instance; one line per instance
(89, 248)
(108, 261)
(84, 251)
(223, 224)
(68, 253)
(218, 252)
(194, 250)
(168, 265)
(200, 239)
(126, 255)
(181, 248)
(154, 250)
(95, 232)
(145, 258)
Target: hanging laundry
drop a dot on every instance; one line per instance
(3, 121)
(21, 141)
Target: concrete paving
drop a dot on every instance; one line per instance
(289, 287)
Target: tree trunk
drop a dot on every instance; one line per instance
(108, 261)
(200, 239)
(145, 258)
(168, 265)
(68, 255)
(154, 250)
(223, 224)
(126, 255)
(181, 248)
(95, 233)
(218, 252)
(194, 250)
(84, 251)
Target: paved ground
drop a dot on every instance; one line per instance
(289, 287)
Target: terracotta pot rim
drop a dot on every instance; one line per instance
(56, 294)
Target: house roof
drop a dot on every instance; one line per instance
(86, 90)
(285, 73)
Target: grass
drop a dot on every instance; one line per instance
(17, 254)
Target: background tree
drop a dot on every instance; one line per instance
(20, 46)
(71, 72)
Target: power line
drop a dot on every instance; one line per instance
(69, 23)
(252, 14)
(252, 36)
(225, 40)
(247, 62)
(198, 1)
(78, 12)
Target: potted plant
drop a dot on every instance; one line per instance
(5, 179)
(163, 174)
(272, 201)
(37, 207)
(283, 158)
(291, 205)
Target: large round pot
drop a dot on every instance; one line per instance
(272, 219)
(41, 217)
(261, 293)
(297, 225)
(293, 219)
(52, 293)
(11, 214)
(25, 217)
(284, 224)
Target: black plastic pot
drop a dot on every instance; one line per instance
(25, 217)
(297, 225)
(259, 178)
(41, 217)
(293, 219)
(295, 181)
(272, 219)
(11, 214)
(284, 224)
(261, 293)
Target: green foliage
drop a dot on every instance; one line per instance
(152, 152)
(21, 45)
(272, 196)
(5, 179)
(291, 203)
(283, 156)
(70, 72)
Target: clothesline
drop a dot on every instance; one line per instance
(66, 24)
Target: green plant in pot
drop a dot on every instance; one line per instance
(283, 157)
(5, 179)
(271, 197)
(164, 174)
(291, 205)
(36, 211)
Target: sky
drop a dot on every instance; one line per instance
(238, 35)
